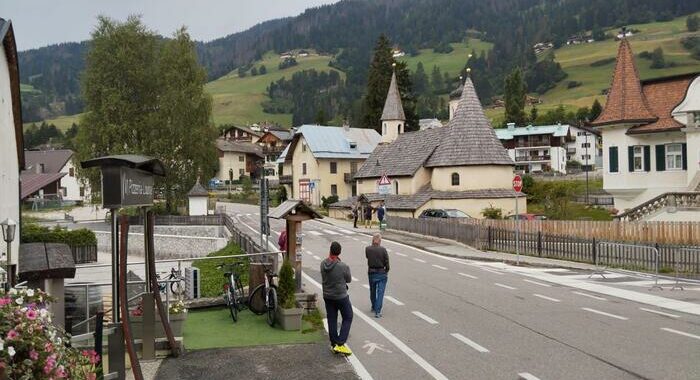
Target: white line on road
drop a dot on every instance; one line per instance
(604, 313)
(538, 283)
(391, 337)
(439, 267)
(346, 232)
(491, 270)
(394, 300)
(317, 258)
(360, 369)
(591, 296)
(546, 298)
(313, 232)
(419, 260)
(366, 286)
(504, 286)
(680, 333)
(355, 279)
(660, 312)
(469, 342)
(527, 376)
(330, 232)
(400, 254)
(467, 275)
(424, 317)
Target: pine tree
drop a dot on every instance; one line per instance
(596, 109)
(692, 22)
(657, 59)
(437, 82)
(514, 98)
(421, 85)
(533, 115)
(262, 70)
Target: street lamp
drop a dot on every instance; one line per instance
(9, 227)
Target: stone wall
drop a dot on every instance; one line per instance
(172, 241)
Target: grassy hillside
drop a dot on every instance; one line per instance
(61, 122)
(238, 100)
(451, 62)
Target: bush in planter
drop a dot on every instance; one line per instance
(287, 286)
(31, 347)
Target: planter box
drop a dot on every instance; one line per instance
(290, 319)
(177, 322)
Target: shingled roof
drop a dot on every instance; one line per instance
(393, 109)
(469, 138)
(626, 102)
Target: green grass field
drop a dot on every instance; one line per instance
(238, 100)
(451, 62)
(61, 122)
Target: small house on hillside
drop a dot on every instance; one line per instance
(50, 173)
(238, 159)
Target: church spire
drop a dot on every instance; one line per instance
(393, 109)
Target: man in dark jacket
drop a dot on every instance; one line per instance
(335, 276)
(377, 270)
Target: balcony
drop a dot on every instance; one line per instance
(267, 150)
(286, 180)
(348, 177)
(532, 158)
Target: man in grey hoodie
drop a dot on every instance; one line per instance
(335, 276)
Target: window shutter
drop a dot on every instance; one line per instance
(660, 157)
(612, 158)
(630, 158)
(647, 158)
(684, 151)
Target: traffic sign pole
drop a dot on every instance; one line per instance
(517, 186)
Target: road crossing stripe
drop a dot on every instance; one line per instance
(419, 260)
(504, 286)
(469, 342)
(546, 298)
(360, 369)
(330, 232)
(538, 283)
(660, 312)
(439, 267)
(317, 258)
(467, 275)
(491, 270)
(591, 296)
(400, 254)
(315, 233)
(355, 279)
(366, 286)
(394, 300)
(346, 232)
(424, 317)
(680, 333)
(527, 376)
(605, 314)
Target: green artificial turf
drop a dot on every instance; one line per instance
(213, 328)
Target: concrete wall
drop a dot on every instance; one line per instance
(9, 167)
(172, 241)
(473, 177)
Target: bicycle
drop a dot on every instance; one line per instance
(175, 286)
(265, 294)
(233, 289)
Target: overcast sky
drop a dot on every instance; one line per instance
(39, 23)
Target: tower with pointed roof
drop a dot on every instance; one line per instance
(393, 118)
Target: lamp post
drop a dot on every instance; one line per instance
(9, 227)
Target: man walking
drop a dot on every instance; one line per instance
(381, 212)
(355, 214)
(368, 216)
(335, 276)
(377, 270)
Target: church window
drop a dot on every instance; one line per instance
(455, 179)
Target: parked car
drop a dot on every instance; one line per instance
(447, 213)
(527, 217)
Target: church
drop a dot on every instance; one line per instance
(460, 166)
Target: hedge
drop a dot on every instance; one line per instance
(34, 233)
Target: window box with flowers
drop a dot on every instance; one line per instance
(178, 316)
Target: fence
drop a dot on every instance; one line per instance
(557, 246)
(84, 254)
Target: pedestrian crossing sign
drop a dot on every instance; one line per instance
(384, 185)
(384, 180)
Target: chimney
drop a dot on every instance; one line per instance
(511, 126)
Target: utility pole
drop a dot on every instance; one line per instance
(585, 133)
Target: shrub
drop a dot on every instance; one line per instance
(492, 212)
(603, 62)
(325, 202)
(287, 286)
(573, 84)
(34, 233)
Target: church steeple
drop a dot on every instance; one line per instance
(393, 118)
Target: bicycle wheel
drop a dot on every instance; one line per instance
(256, 301)
(271, 305)
(233, 305)
(241, 301)
(176, 287)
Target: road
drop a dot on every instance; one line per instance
(446, 318)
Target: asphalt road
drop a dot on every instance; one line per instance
(460, 319)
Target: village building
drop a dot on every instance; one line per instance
(238, 159)
(320, 161)
(51, 175)
(273, 142)
(651, 142)
(536, 149)
(585, 147)
(11, 143)
(242, 133)
(460, 166)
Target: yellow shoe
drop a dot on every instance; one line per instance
(342, 349)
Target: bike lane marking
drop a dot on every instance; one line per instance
(360, 369)
(470, 342)
(424, 317)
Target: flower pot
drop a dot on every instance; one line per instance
(177, 322)
(289, 319)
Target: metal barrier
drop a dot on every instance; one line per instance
(620, 250)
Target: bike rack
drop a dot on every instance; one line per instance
(600, 271)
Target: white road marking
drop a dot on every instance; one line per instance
(504, 286)
(591, 296)
(419, 260)
(538, 283)
(371, 346)
(394, 300)
(355, 279)
(317, 258)
(400, 254)
(439, 267)
(467, 275)
(491, 270)
(604, 313)
(360, 369)
(527, 376)
(660, 312)
(346, 232)
(248, 214)
(331, 232)
(424, 317)
(432, 371)
(469, 342)
(366, 286)
(314, 232)
(546, 298)
(680, 333)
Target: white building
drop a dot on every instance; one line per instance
(11, 141)
(535, 149)
(237, 159)
(651, 143)
(46, 167)
(586, 147)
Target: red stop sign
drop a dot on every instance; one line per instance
(517, 183)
